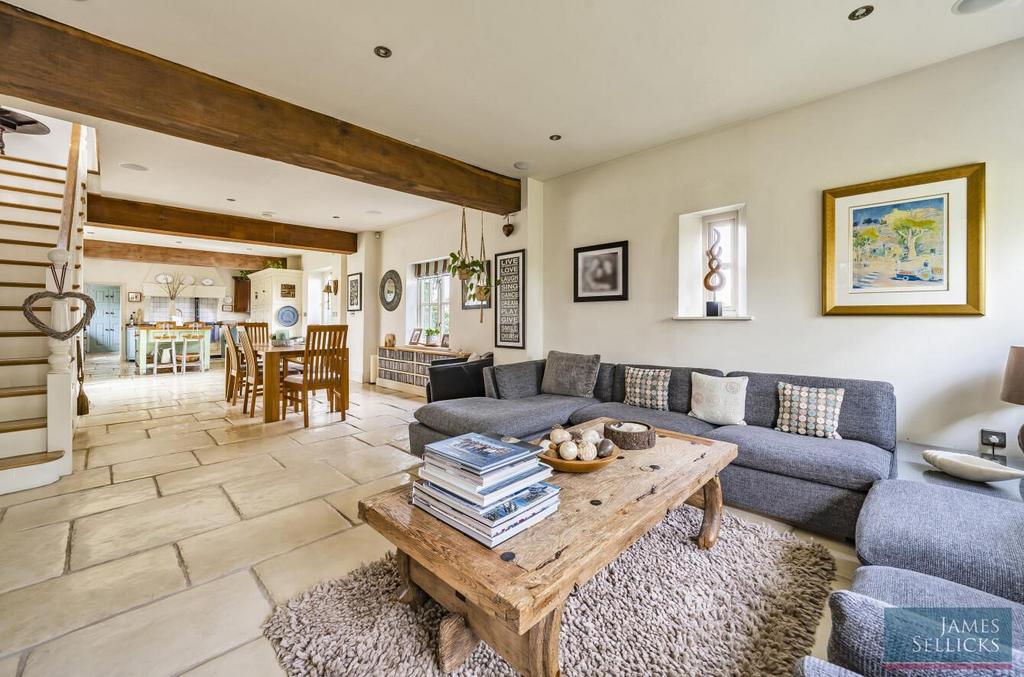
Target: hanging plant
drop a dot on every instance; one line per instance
(460, 263)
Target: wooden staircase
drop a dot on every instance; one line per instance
(41, 210)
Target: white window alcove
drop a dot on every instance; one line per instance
(696, 233)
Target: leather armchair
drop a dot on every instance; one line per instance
(456, 377)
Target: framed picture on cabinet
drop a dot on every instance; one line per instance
(417, 333)
(445, 340)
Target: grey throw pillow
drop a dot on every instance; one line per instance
(521, 379)
(570, 374)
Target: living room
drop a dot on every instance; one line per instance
(644, 271)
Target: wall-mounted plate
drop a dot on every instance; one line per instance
(207, 282)
(163, 278)
(287, 316)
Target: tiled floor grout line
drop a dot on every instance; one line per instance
(182, 564)
(263, 588)
(234, 507)
(67, 549)
(22, 661)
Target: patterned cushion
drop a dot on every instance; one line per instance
(718, 400)
(809, 411)
(647, 388)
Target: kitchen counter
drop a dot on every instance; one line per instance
(140, 343)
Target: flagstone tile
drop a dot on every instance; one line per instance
(218, 473)
(347, 500)
(93, 420)
(255, 659)
(153, 423)
(85, 479)
(167, 636)
(147, 467)
(250, 432)
(192, 426)
(364, 465)
(98, 436)
(27, 557)
(179, 409)
(292, 573)
(256, 447)
(120, 532)
(378, 422)
(327, 432)
(9, 666)
(263, 493)
(241, 544)
(320, 451)
(67, 507)
(376, 438)
(52, 608)
(133, 451)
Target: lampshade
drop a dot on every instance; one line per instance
(1013, 379)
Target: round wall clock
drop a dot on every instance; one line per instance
(391, 290)
(287, 316)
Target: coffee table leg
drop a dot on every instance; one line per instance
(455, 642)
(410, 593)
(712, 513)
(542, 646)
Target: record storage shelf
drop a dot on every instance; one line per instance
(405, 367)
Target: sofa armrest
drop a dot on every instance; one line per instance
(457, 379)
(490, 385)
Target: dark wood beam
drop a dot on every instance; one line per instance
(112, 212)
(59, 65)
(143, 253)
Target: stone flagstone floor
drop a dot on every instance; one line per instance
(185, 521)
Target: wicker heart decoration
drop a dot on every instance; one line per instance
(26, 308)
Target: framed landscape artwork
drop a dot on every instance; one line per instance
(355, 292)
(510, 300)
(601, 272)
(134, 297)
(912, 245)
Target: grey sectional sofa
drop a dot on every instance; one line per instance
(818, 484)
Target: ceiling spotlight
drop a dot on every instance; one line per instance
(861, 12)
(266, 214)
(177, 242)
(555, 137)
(373, 212)
(975, 6)
(522, 166)
(134, 167)
(382, 51)
(335, 217)
(230, 199)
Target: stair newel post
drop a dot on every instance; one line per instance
(60, 381)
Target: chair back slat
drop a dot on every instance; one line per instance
(233, 358)
(250, 355)
(324, 355)
(259, 332)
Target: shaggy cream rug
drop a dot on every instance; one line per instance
(749, 606)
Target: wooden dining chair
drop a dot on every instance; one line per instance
(253, 376)
(323, 367)
(234, 373)
(259, 332)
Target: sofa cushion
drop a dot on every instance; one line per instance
(669, 420)
(868, 413)
(517, 417)
(848, 464)
(964, 537)
(902, 587)
(858, 639)
(520, 379)
(604, 388)
(809, 411)
(647, 388)
(678, 385)
(719, 400)
(570, 374)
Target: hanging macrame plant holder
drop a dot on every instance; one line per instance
(464, 248)
(482, 286)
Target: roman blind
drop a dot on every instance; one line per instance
(431, 268)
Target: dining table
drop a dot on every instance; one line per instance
(274, 358)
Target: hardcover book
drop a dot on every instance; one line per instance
(528, 499)
(481, 453)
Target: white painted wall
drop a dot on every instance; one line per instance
(947, 371)
(363, 326)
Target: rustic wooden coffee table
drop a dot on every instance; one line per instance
(512, 596)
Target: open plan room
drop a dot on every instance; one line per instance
(587, 338)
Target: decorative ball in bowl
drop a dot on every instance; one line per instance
(576, 450)
(630, 434)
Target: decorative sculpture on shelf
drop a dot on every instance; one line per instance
(714, 281)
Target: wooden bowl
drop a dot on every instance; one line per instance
(642, 439)
(558, 463)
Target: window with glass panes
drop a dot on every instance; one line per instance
(433, 308)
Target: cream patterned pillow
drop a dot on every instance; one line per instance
(809, 411)
(647, 388)
(719, 400)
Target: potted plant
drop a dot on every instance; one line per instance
(464, 266)
(481, 291)
(432, 336)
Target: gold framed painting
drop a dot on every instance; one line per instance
(911, 245)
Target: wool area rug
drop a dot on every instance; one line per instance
(749, 606)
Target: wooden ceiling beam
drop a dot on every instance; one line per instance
(143, 253)
(147, 217)
(58, 65)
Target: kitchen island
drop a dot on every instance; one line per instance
(143, 343)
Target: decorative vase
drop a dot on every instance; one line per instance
(714, 308)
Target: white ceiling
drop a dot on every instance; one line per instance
(488, 82)
(199, 244)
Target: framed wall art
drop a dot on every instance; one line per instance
(471, 302)
(416, 334)
(227, 308)
(510, 300)
(600, 272)
(355, 292)
(134, 297)
(911, 245)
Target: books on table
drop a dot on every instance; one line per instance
(489, 489)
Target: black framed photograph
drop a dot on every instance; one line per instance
(445, 340)
(355, 292)
(416, 334)
(470, 302)
(134, 297)
(227, 308)
(510, 300)
(600, 272)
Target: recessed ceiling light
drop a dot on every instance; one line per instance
(90, 232)
(266, 214)
(134, 167)
(523, 166)
(177, 242)
(249, 249)
(861, 12)
(382, 51)
(555, 137)
(335, 217)
(231, 199)
(975, 6)
(373, 211)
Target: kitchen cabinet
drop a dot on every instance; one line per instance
(273, 291)
(243, 288)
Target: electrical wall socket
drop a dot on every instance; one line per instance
(993, 438)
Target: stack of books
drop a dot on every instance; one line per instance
(489, 489)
